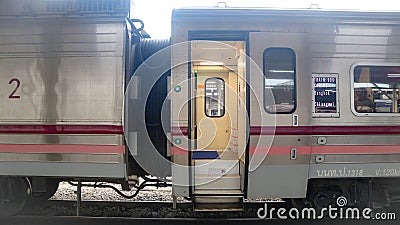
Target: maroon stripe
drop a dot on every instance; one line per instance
(179, 131)
(57, 148)
(61, 129)
(324, 130)
(280, 130)
(311, 130)
(254, 130)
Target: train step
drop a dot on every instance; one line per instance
(218, 192)
(230, 181)
(212, 200)
(216, 167)
(217, 207)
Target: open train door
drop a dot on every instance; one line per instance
(218, 124)
(279, 143)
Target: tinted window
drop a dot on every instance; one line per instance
(376, 89)
(214, 89)
(279, 80)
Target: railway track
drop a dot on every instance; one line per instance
(142, 209)
(161, 212)
(62, 220)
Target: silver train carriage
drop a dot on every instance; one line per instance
(295, 104)
(64, 67)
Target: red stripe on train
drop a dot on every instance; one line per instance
(178, 151)
(254, 130)
(179, 131)
(61, 129)
(54, 148)
(310, 130)
(323, 130)
(326, 150)
(278, 150)
(359, 149)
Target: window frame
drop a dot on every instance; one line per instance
(205, 97)
(373, 114)
(293, 52)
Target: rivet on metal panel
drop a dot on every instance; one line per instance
(177, 88)
(319, 159)
(321, 140)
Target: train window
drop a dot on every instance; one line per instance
(214, 89)
(279, 80)
(376, 89)
(325, 98)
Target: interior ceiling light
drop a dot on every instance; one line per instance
(281, 71)
(211, 63)
(393, 75)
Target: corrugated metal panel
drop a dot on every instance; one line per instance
(33, 39)
(69, 72)
(86, 5)
(283, 15)
(108, 8)
(355, 41)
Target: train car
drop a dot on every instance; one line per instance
(295, 104)
(63, 67)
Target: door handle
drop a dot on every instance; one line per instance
(293, 154)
